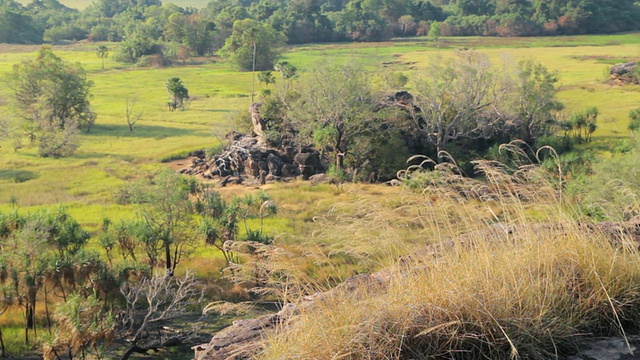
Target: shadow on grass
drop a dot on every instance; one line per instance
(141, 131)
(213, 110)
(95, 155)
(18, 176)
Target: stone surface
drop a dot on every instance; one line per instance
(247, 157)
(242, 340)
(614, 348)
(625, 73)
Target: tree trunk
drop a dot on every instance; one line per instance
(46, 307)
(167, 252)
(339, 160)
(2, 349)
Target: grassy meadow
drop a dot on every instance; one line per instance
(111, 155)
(322, 226)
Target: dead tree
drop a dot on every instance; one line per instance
(153, 301)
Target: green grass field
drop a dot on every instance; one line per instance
(111, 155)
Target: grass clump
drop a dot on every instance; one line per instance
(514, 275)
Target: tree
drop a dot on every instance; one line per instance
(286, 69)
(267, 78)
(333, 116)
(19, 28)
(165, 212)
(194, 31)
(253, 46)
(361, 20)
(41, 250)
(220, 219)
(407, 24)
(435, 30)
(131, 116)
(82, 326)
(102, 52)
(535, 99)
(52, 96)
(178, 94)
(152, 300)
(457, 99)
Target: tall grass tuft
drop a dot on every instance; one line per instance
(519, 277)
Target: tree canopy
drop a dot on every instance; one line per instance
(52, 96)
(203, 31)
(252, 43)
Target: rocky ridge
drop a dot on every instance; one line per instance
(625, 73)
(242, 340)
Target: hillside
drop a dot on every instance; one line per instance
(512, 261)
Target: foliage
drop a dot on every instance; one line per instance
(194, 31)
(203, 31)
(610, 189)
(634, 119)
(178, 94)
(435, 31)
(361, 21)
(165, 214)
(536, 98)
(102, 52)
(334, 116)
(83, 327)
(53, 97)
(286, 69)
(18, 28)
(45, 251)
(221, 219)
(253, 45)
(266, 77)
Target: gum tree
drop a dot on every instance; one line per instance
(52, 96)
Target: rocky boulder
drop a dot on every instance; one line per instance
(259, 125)
(248, 157)
(243, 339)
(626, 73)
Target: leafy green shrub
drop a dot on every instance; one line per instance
(634, 119)
(600, 194)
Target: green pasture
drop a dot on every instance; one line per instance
(111, 155)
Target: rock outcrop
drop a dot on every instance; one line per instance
(242, 340)
(248, 157)
(626, 73)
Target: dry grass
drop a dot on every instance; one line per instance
(530, 282)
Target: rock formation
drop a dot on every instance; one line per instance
(626, 73)
(249, 157)
(242, 340)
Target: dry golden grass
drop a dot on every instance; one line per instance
(529, 282)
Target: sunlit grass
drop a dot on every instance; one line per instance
(514, 283)
(111, 155)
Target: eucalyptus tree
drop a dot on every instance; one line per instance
(334, 106)
(53, 97)
(253, 45)
(178, 94)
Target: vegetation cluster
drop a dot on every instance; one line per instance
(492, 246)
(152, 33)
(461, 108)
